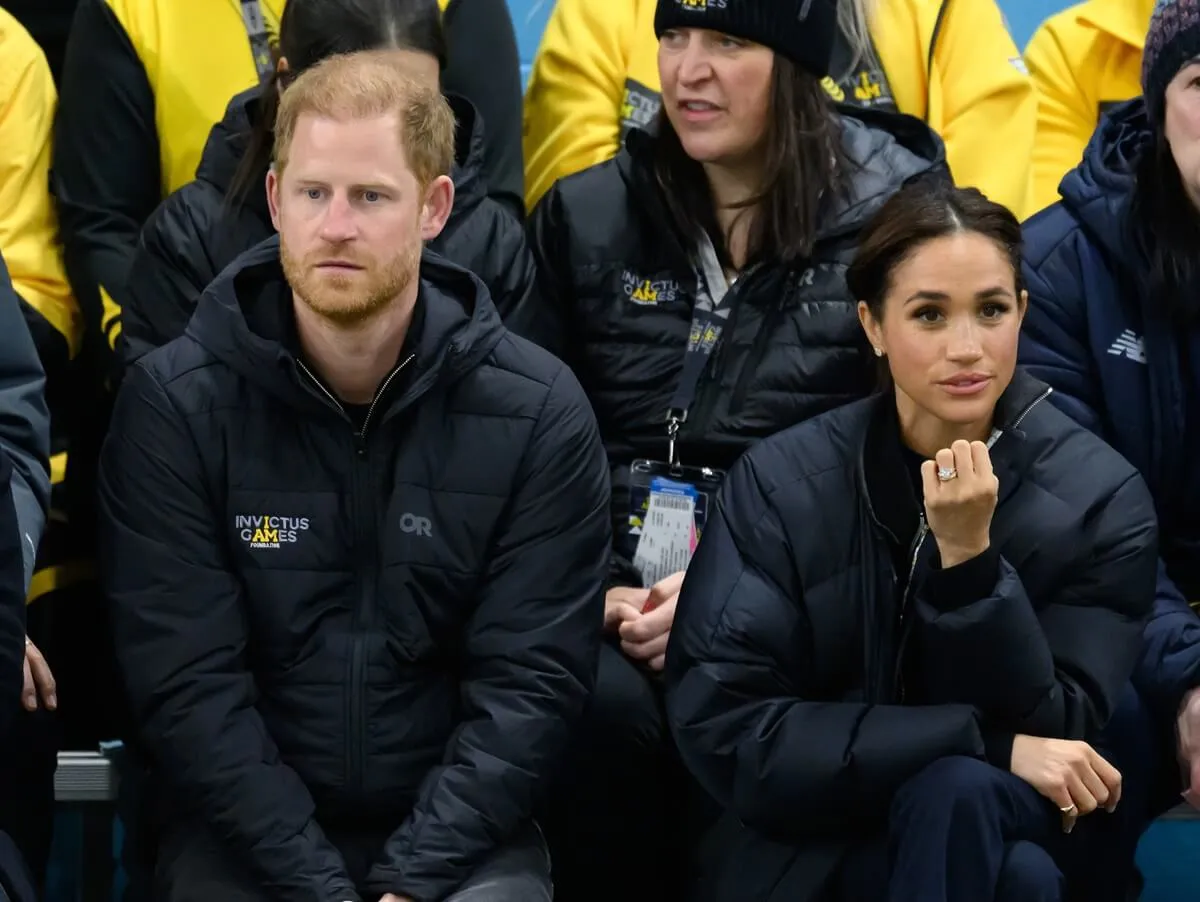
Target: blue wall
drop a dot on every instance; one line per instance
(529, 16)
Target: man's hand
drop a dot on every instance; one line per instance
(39, 681)
(1188, 724)
(645, 637)
(390, 898)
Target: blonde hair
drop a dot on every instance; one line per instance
(854, 20)
(364, 85)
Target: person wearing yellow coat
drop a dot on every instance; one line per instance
(1083, 60)
(951, 63)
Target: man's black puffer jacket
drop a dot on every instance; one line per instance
(616, 276)
(795, 624)
(391, 630)
(195, 233)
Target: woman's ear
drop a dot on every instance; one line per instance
(1022, 304)
(872, 328)
(281, 74)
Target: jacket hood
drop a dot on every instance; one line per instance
(470, 188)
(230, 139)
(228, 142)
(245, 320)
(1098, 190)
(884, 150)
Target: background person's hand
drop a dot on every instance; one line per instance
(1067, 772)
(645, 638)
(622, 604)
(959, 510)
(39, 681)
(1188, 724)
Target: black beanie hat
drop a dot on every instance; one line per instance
(1172, 42)
(801, 30)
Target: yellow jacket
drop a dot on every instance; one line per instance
(28, 226)
(596, 73)
(1081, 60)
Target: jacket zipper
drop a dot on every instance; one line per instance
(919, 541)
(362, 503)
(915, 555)
(714, 370)
(759, 349)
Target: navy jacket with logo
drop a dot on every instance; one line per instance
(1115, 368)
(617, 277)
(321, 628)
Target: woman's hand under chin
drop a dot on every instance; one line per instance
(959, 510)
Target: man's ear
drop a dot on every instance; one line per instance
(439, 201)
(273, 195)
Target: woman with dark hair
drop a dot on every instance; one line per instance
(1114, 326)
(697, 283)
(204, 225)
(908, 618)
(144, 81)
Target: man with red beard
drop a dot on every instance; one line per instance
(353, 645)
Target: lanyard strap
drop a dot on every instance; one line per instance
(260, 38)
(709, 316)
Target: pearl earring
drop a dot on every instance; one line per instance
(878, 352)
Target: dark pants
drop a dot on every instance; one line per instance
(193, 868)
(28, 759)
(960, 831)
(621, 811)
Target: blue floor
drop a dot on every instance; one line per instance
(1169, 857)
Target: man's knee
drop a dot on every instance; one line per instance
(1029, 874)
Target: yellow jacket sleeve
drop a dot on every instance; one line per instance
(572, 103)
(28, 226)
(983, 104)
(1065, 118)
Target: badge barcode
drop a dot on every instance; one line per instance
(673, 502)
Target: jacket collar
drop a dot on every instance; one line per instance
(883, 476)
(1125, 20)
(243, 320)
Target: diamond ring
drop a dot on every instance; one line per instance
(945, 474)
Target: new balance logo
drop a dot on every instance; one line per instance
(1130, 346)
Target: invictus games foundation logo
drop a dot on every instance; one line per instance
(267, 531)
(648, 292)
(702, 5)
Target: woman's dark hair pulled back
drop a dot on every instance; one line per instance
(805, 166)
(922, 211)
(313, 30)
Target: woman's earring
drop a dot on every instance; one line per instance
(879, 352)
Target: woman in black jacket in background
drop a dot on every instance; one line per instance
(908, 617)
(202, 227)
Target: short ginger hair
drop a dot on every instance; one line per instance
(364, 85)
